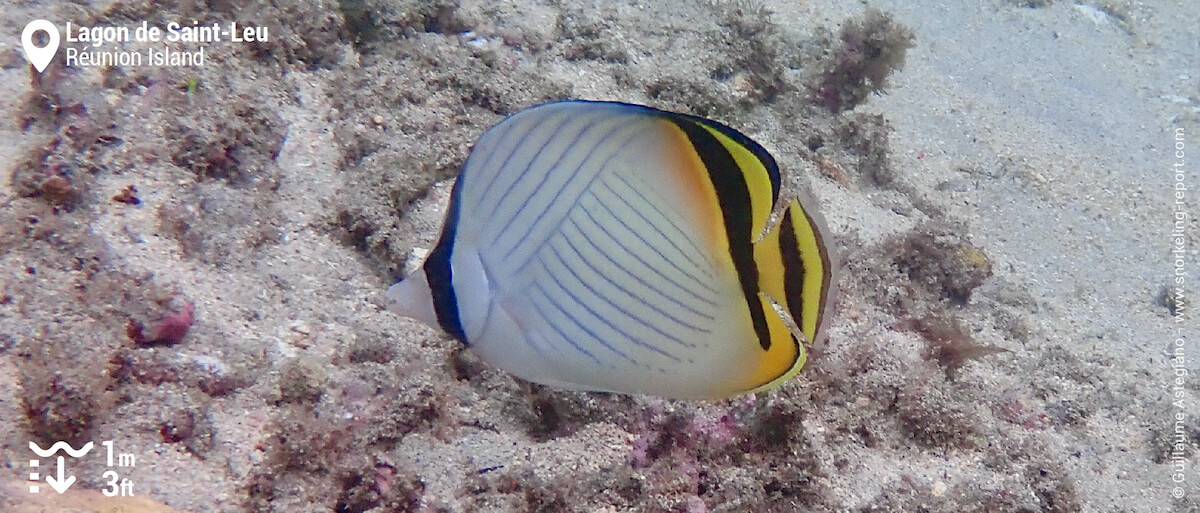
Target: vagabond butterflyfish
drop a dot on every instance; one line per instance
(614, 247)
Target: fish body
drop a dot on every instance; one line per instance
(615, 247)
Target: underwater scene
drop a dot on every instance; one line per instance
(682, 256)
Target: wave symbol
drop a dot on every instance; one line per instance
(60, 446)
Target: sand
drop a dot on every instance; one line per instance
(1010, 185)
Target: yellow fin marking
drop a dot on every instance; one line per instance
(758, 180)
(817, 272)
(786, 356)
(803, 270)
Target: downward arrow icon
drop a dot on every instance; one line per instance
(60, 485)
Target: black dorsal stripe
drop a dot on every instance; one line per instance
(440, 275)
(733, 197)
(764, 156)
(793, 268)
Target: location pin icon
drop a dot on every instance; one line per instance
(40, 57)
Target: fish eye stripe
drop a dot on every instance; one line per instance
(440, 274)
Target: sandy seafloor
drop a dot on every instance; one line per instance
(1013, 186)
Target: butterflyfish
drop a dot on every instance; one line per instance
(615, 247)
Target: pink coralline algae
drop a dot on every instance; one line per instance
(173, 327)
(168, 331)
